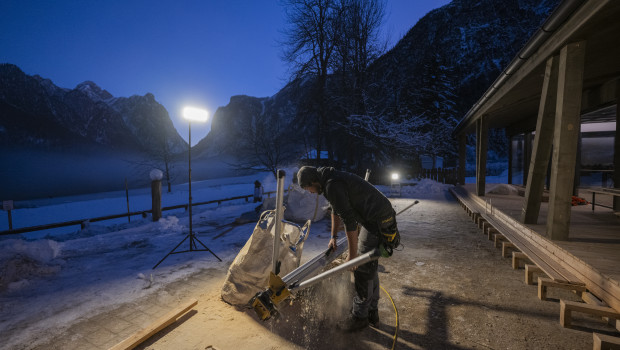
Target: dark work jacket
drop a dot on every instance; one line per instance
(354, 199)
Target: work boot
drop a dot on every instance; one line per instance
(373, 317)
(353, 323)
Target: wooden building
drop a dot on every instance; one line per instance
(567, 75)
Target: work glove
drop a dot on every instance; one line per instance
(389, 235)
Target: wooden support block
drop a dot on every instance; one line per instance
(543, 283)
(505, 247)
(529, 273)
(591, 299)
(475, 216)
(567, 307)
(516, 259)
(491, 233)
(159, 324)
(498, 238)
(481, 222)
(605, 342)
(485, 227)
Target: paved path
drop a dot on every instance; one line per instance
(451, 287)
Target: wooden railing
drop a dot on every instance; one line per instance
(143, 213)
(442, 175)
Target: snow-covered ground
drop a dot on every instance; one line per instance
(52, 278)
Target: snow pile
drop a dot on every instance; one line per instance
(21, 261)
(425, 186)
(503, 189)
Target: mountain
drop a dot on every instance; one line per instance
(60, 141)
(35, 113)
(434, 73)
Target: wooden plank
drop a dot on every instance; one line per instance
(605, 342)
(161, 323)
(567, 307)
(601, 284)
(544, 283)
(506, 226)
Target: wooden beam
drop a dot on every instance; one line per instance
(566, 136)
(159, 324)
(552, 45)
(567, 307)
(616, 176)
(600, 285)
(544, 283)
(510, 150)
(482, 141)
(605, 342)
(543, 142)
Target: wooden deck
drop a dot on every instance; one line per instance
(592, 253)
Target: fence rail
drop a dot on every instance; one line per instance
(443, 175)
(143, 213)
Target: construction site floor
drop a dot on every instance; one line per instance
(451, 288)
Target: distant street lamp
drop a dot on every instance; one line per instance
(192, 115)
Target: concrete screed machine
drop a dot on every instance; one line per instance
(265, 302)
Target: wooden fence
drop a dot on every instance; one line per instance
(143, 213)
(443, 175)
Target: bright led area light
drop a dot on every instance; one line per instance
(395, 176)
(195, 114)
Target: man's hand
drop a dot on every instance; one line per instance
(332, 244)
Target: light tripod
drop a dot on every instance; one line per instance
(197, 115)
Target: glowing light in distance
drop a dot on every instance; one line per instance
(395, 176)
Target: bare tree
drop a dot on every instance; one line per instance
(405, 136)
(267, 145)
(308, 48)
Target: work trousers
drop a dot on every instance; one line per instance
(366, 276)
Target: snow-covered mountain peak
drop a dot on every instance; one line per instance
(93, 91)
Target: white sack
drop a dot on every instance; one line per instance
(302, 205)
(249, 272)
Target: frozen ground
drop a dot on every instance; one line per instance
(50, 279)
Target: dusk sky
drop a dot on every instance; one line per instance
(195, 52)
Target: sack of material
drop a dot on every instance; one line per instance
(249, 272)
(302, 205)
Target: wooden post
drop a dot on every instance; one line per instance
(566, 136)
(543, 142)
(127, 196)
(7, 205)
(10, 220)
(527, 155)
(616, 175)
(510, 150)
(481, 154)
(462, 157)
(156, 199)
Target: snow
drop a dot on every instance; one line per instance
(51, 279)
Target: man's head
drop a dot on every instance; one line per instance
(308, 179)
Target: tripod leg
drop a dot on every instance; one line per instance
(160, 261)
(209, 250)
